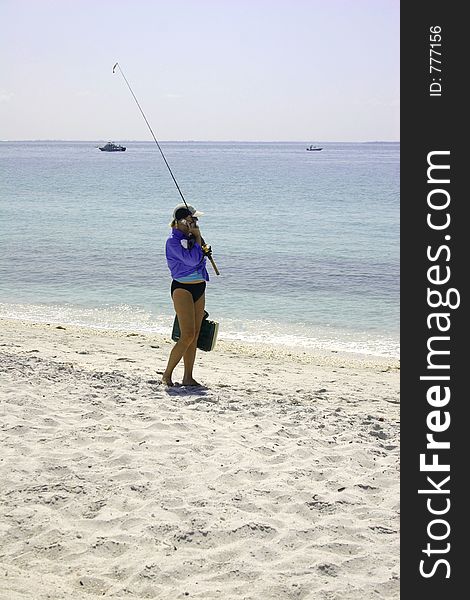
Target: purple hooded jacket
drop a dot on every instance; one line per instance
(184, 256)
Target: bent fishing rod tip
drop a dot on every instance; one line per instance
(114, 68)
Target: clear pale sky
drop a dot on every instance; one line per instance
(268, 70)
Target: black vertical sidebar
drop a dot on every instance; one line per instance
(435, 355)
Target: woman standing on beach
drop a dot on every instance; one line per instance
(187, 264)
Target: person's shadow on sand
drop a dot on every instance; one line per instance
(186, 390)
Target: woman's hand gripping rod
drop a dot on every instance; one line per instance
(208, 252)
(205, 247)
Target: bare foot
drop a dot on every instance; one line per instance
(190, 381)
(167, 381)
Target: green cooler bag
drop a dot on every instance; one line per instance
(207, 335)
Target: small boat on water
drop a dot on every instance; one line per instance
(313, 148)
(112, 147)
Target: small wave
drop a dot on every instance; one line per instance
(135, 319)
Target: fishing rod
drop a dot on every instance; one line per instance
(205, 247)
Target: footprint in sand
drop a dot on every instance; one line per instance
(92, 585)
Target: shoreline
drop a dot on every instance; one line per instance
(303, 355)
(279, 479)
(288, 339)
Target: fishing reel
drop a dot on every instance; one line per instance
(207, 250)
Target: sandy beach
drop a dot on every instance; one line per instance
(278, 480)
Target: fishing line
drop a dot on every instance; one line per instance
(205, 247)
(151, 131)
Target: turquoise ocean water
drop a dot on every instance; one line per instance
(307, 243)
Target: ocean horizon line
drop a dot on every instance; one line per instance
(209, 141)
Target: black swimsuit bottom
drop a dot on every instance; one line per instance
(195, 289)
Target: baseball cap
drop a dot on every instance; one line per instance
(181, 211)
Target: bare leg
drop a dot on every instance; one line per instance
(190, 354)
(184, 307)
